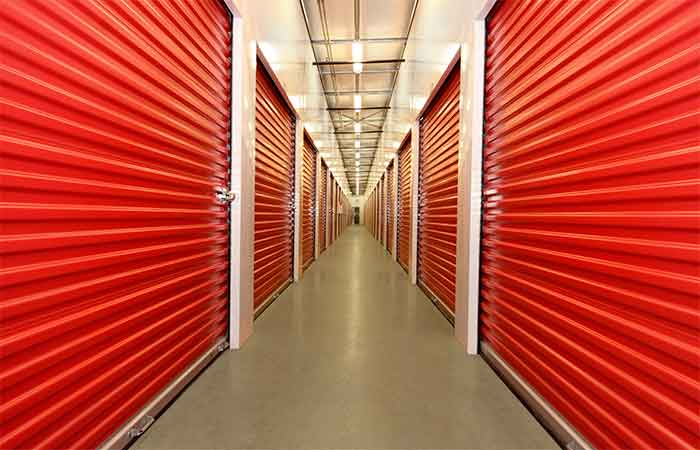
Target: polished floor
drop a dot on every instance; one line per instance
(353, 356)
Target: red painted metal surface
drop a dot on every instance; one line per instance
(323, 214)
(390, 207)
(437, 193)
(403, 216)
(114, 275)
(331, 211)
(308, 202)
(382, 209)
(591, 224)
(274, 189)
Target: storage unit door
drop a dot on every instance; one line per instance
(274, 190)
(403, 216)
(114, 250)
(390, 202)
(323, 215)
(590, 281)
(437, 194)
(382, 209)
(308, 203)
(331, 211)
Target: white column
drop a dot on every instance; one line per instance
(242, 226)
(469, 199)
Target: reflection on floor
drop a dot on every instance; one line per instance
(353, 356)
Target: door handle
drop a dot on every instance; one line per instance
(224, 195)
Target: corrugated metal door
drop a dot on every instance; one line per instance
(437, 194)
(591, 217)
(308, 214)
(403, 216)
(114, 275)
(382, 209)
(331, 211)
(274, 190)
(390, 206)
(323, 217)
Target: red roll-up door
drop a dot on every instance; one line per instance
(590, 280)
(274, 190)
(323, 214)
(390, 206)
(308, 214)
(382, 209)
(403, 216)
(377, 217)
(114, 274)
(437, 193)
(331, 211)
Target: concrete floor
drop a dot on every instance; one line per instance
(353, 356)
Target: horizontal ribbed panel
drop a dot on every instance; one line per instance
(331, 210)
(390, 206)
(590, 240)
(274, 189)
(114, 274)
(323, 215)
(437, 192)
(403, 216)
(308, 202)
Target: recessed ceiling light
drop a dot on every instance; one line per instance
(358, 102)
(357, 144)
(358, 127)
(357, 155)
(396, 144)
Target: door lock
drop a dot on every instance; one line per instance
(223, 195)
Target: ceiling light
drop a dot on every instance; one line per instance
(357, 144)
(396, 144)
(357, 155)
(357, 163)
(358, 102)
(358, 127)
(357, 68)
(357, 51)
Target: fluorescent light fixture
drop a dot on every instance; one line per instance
(357, 67)
(396, 144)
(357, 51)
(358, 101)
(357, 155)
(358, 127)
(357, 144)
(357, 163)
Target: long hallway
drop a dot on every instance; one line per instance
(353, 356)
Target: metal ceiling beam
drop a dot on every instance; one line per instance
(371, 61)
(365, 91)
(381, 40)
(361, 132)
(364, 72)
(365, 108)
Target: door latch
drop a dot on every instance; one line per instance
(223, 195)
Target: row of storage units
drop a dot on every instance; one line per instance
(115, 241)
(587, 251)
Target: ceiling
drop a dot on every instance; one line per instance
(382, 28)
